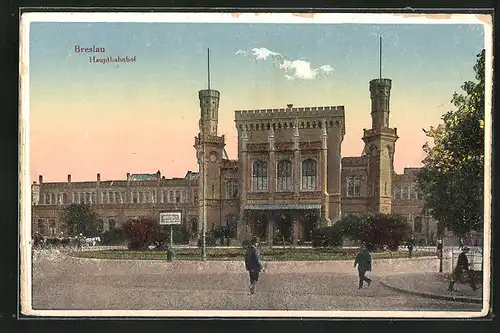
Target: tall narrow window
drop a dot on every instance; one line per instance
(259, 176)
(134, 197)
(213, 191)
(284, 176)
(52, 227)
(177, 196)
(413, 192)
(353, 186)
(231, 189)
(309, 175)
(417, 225)
(404, 192)
(171, 197)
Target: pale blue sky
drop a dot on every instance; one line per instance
(426, 63)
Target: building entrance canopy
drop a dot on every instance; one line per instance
(283, 207)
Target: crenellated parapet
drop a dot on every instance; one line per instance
(380, 131)
(354, 161)
(218, 140)
(302, 112)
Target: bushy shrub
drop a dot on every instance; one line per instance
(326, 236)
(376, 231)
(385, 229)
(209, 240)
(220, 233)
(181, 234)
(143, 232)
(114, 236)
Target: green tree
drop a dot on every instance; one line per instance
(452, 177)
(80, 219)
(386, 229)
(143, 232)
(352, 226)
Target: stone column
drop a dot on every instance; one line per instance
(270, 230)
(243, 181)
(128, 194)
(296, 161)
(335, 137)
(325, 216)
(295, 230)
(98, 189)
(272, 165)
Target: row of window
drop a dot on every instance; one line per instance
(402, 192)
(406, 192)
(109, 197)
(284, 181)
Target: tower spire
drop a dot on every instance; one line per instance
(380, 58)
(208, 63)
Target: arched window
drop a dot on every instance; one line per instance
(141, 197)
(284, 175)
(40, 227)
(52, 227)
(309, 175)
(232, 225)
(100, 225)
(418, 224)
(231, 189)
(259, 176)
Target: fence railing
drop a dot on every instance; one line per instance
(475, 257)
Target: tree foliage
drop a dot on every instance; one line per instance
(80, 219)
(376, 231)
(382, 230)
(143, 232)
(353, 226)
(452, 178)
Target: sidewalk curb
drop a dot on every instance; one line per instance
(434, 296)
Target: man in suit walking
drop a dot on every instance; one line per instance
(364, 262)
(253, 264)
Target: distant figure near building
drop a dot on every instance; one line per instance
(364, 262)
(410, 248)
(253, 264)
(439, 248)
(461, 268)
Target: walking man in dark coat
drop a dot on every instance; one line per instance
(253, 264)
(461, 268)
(364, 262)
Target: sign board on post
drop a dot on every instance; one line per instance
(170, 218)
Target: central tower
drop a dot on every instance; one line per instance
(209, 151)
(380, 144)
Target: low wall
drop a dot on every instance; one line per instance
(379, 266)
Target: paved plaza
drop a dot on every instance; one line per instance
(61, 282)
